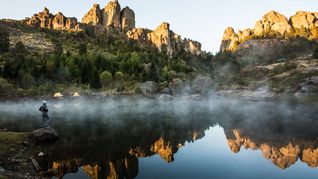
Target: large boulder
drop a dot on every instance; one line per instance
(148, 88)
(201, 85)
(45, 135)
(179, 87)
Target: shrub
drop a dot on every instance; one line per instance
(119, 75)
(105, 78)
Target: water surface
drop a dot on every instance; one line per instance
(143, 138)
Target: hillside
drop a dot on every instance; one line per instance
(50, 53)
(106, 54)
(277, 57)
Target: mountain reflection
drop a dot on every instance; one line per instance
(108, 146)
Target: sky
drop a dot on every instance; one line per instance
(200, 20)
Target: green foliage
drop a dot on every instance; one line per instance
(105, 78)
(4, 40)
(82, 49)
(119, 75)
(89, 60)
(6, 89)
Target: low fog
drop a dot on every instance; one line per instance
(112, 108)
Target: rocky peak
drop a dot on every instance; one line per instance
(272, 21)
(93, 16)
(47, 20)
(304, 19)
(127, 19)
(111, 16)
(272, 24)
(164, 39)
(228, 33)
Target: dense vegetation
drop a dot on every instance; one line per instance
(86, 61)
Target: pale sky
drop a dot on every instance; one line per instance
(201, 20)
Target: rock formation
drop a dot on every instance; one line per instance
(272, 21)
(272, 25)
(164, 39)
(47, 20)
(305, 20)
(283, 155)
(98, 20)
(93, 16)
(111, 16)
(127, 19)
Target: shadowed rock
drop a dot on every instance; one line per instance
(45, 135)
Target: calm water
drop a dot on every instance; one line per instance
(139, 138)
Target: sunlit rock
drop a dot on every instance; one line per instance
(47, 20)
(111, 15)
(58, 95)
(310, 157)
(164, 149)
(92, 171)
(303, 19)
(93, 16)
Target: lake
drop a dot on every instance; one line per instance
(146, 138)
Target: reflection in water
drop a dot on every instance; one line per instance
(108, 144)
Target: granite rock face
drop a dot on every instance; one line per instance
(47, 20)
(272, 25)
(94, 16)
(164, 39)
(111, 16)
(127, 19)
(99, 21)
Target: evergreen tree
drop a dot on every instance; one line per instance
(4, 41)
(95, 82)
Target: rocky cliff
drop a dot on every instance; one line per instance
(273, 25)
(47, 20)
(164, 39)
(111, 16)
(273, 37)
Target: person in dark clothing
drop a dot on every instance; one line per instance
(45, 116)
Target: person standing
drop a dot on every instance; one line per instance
(45, 116)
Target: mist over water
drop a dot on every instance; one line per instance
(121, 109)
(105, 132)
